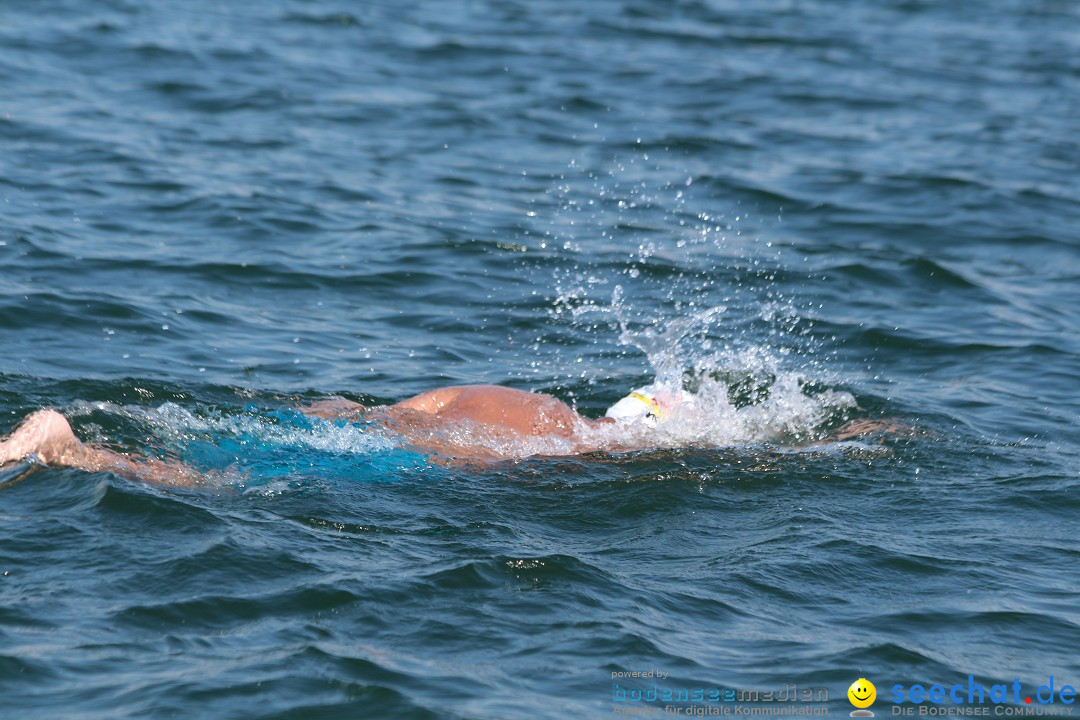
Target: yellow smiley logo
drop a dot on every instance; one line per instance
(862, 693)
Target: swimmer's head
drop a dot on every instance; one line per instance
(649, 405)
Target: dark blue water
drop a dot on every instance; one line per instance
(212, 213)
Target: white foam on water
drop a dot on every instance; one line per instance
(787, 416)
(741, 393)
(173, 425)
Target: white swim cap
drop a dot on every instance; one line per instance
(650, 405)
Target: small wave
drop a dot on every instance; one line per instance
(339, 19)
(220, 611)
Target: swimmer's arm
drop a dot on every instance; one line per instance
(435, 401)
(416, 411)
(335, 408)
(864, 427)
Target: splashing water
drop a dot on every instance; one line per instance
(728, 336)
(733, 395)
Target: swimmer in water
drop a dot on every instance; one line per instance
(421, 422)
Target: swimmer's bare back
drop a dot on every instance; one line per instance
(503, 413)
(517, 411)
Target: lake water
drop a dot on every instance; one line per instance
(211, 213)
